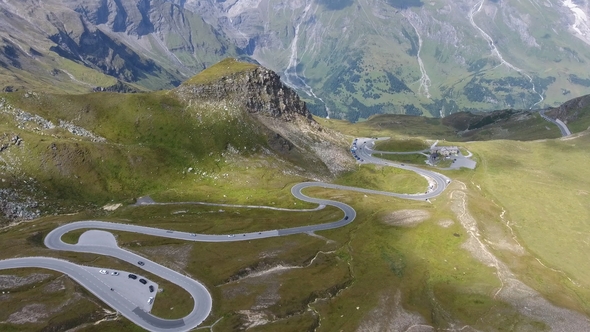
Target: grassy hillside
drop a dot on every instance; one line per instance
(462, 126)
(86, 150)
(219, 70)
(543, 186)
(150, 143)
(501, 249)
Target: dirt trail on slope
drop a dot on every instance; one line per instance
(524, 299)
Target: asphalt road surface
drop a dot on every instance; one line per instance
(565, 131)
(88, 277)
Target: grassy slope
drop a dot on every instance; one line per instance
(150, 143)
(527, 126)
(220, 69)
(363, 265)
(544, 187)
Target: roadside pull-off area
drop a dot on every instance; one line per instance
(136, 301)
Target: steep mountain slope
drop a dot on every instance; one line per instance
(64, 45)
(575, 113)
(415, 57)
(64, 152)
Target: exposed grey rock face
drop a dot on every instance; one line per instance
(17, 207)
(292, 131)
(258, 91)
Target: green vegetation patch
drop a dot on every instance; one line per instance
(384, 178)
(544, 186)
(414, 158)
(401, 145)
(224, 68)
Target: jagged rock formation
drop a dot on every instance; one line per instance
(292, 131)
(117, 87)
(258, 90)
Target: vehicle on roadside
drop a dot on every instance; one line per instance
(132, 276)
(103, 271)
(150, 300)
(114, 273)
(151, 288)
(140, 263)
(143, 281)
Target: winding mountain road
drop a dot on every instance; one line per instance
(565, 131)
(99, 285)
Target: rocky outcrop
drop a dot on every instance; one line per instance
(259, 91)
(291, 130)
(118, 87)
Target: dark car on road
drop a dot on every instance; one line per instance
(151, 288)
(141, 263)
(132, 276)
(143, 281)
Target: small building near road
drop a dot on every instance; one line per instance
(444, 151)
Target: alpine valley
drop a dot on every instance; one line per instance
(294, 165)
(351, 59)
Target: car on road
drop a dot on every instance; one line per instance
(168, 231)
(143, 281)
(114, 273)
(345, 217)
(132, 276)
(193, 234)
(140, 263)
(151, 288)
(103, 271)
(403, 165)
(150, 300)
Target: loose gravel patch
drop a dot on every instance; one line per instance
(406, 218)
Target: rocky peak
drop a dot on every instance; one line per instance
(255, 88)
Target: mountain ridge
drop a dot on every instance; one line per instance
(83, 150)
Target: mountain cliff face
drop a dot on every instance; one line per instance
(256, 89)
(153, 43)
(290, 127)
(415, 57)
